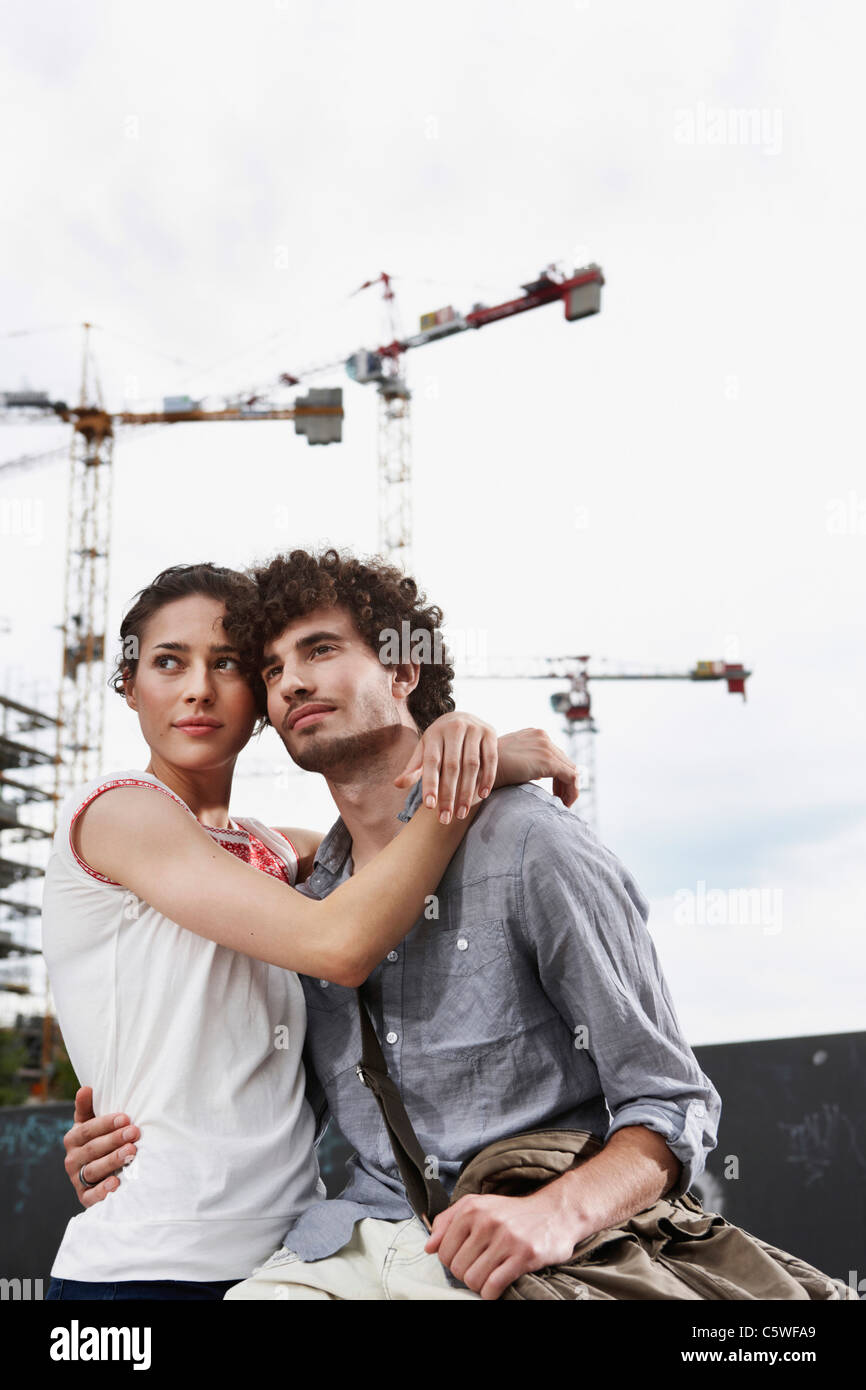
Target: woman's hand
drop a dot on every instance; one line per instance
(457, 758)
(461, 760)
(531, 753)
(97, 1142)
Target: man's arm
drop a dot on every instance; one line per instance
(584, 922)
(488, 1242)
(633, 1170)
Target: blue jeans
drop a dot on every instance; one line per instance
(75, 1289)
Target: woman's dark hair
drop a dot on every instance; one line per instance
(181, 581)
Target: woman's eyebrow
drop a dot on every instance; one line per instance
(222, 647)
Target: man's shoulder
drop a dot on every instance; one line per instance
(524, 816)
(532, 831)
(520, 808)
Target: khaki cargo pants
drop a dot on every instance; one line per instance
(383, 1260)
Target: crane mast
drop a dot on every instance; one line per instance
(575, 703)
(80, 705)
(580, 295)
(83, 675)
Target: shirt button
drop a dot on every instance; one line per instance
(324, 983)
(463, 944)
(392, 955)
(699, 1110)
(391, 1037)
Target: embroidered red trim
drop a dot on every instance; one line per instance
(288, 841)
(235, 840)
(106, 787)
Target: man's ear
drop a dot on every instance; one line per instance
(404, 679)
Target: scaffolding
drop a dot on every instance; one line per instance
(28, 806)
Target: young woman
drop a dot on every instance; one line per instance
(171, 934)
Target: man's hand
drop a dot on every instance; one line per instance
(101, 1145)
(488, 1242)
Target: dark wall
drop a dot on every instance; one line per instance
(790, 1165)
(36, 1197)
(794, 1119)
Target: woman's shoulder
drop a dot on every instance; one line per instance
(85, 793)
(110, 815)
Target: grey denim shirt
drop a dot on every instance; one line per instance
(528, 995)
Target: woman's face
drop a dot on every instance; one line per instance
(195, 707)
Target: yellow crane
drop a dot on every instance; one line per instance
(80, 704)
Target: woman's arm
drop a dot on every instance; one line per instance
(148, 843)
(517, 757)
(514, 758)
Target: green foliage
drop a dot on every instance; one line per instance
(64, 1083)
(13, 1056)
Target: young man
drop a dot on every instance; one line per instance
(529, 996)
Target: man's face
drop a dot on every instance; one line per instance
(356, 708)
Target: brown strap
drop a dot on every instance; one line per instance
(427, 1196)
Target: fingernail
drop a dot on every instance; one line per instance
(430, 800)
(121, 1120)
(444, 817)
(129, 1133)
(485, 791)
(462, 812)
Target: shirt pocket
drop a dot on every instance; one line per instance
(469, 994)
(333, 1031)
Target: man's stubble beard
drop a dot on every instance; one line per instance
(344, 756)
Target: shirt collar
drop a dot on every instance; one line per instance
(337, 844)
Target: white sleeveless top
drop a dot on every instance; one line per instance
(201, 1047)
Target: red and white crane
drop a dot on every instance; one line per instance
(575, 704)
(579, 292)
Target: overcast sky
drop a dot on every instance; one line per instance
(679, 477)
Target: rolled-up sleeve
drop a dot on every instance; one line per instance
(585, 920)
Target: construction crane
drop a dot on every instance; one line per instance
(575, 703)
(80, 706)
(78, 726)
(580, 294)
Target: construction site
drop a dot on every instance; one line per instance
(46, 755)
(586, 411)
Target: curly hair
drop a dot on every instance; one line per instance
(378, 596)
(181, 581)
